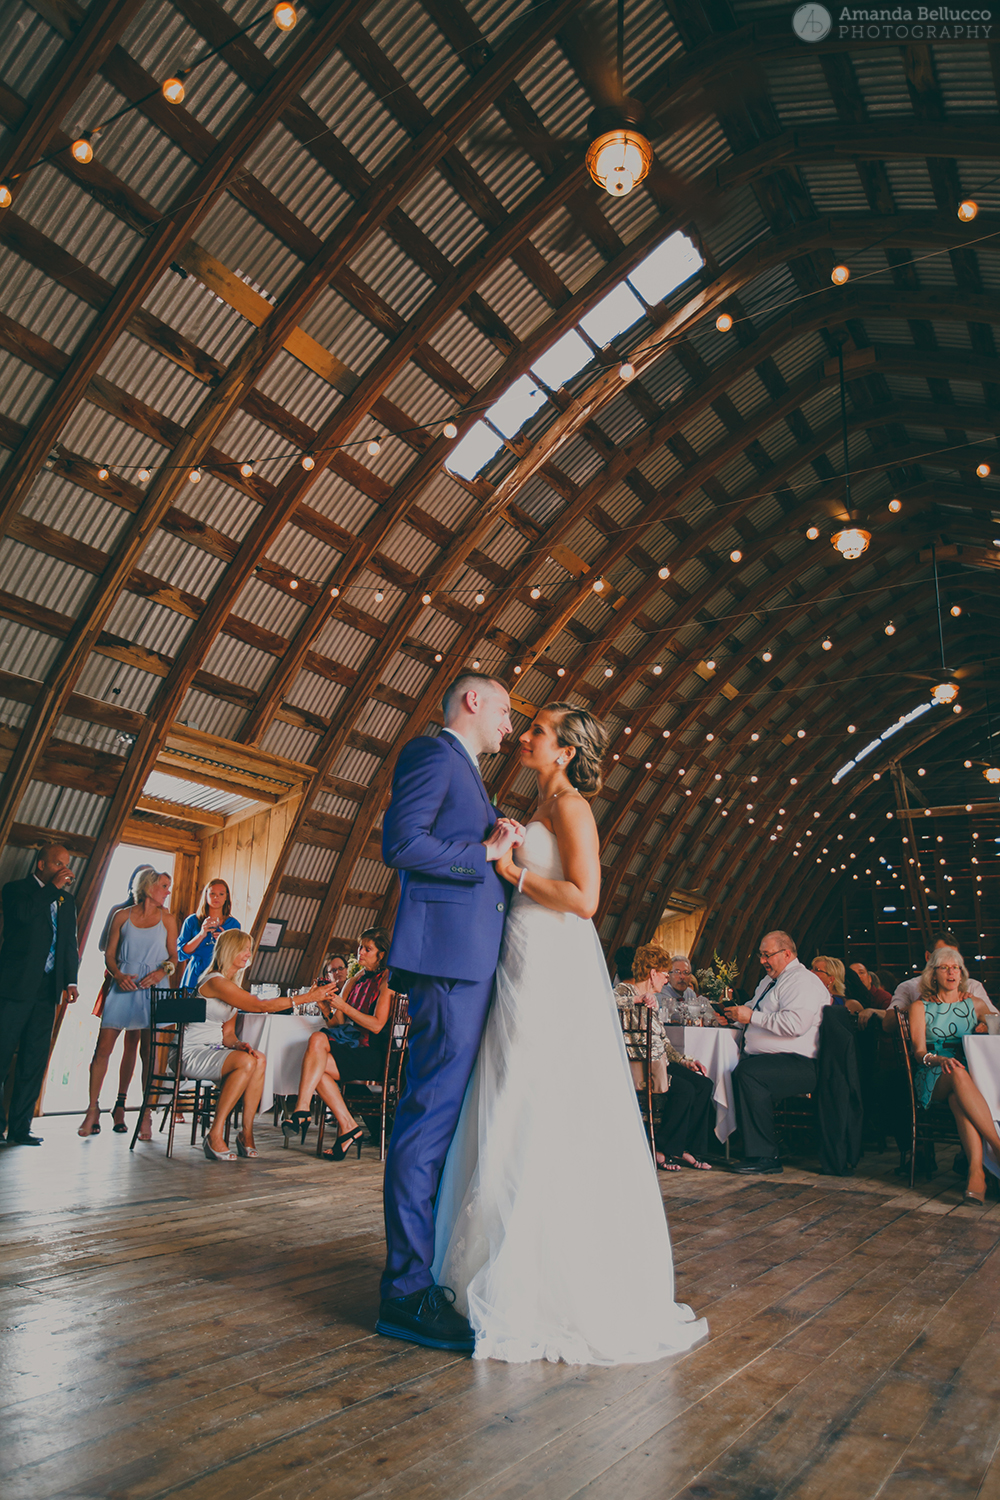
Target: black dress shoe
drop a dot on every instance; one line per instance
(24, 1140)
(759, 1166)
(426, 1317)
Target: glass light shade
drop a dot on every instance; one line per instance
(308, 462)
(449, 430)
(851, 542)
(5, 198)
(967, 210)
(992, 774)
(723, 322)
(619, 159)
(983, 470)
(172, 90)
(813, 533)
(945, 692)
(82, 151)
(284, 15)
(839, 275)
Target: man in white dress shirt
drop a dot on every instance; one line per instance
(780, 1047)
(909, 990)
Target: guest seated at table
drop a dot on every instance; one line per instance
(876, 996)
(351, 1048)
(334, 970)
(780, 1047)
(198, 935)
(831, 971)
(214, 1053)
(682, 1129)
(945, 1013)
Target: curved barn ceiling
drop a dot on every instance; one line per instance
(354, 232)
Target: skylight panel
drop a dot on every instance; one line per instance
(475, 450)
(612, 315)
(887, 734)
(517, 405)
(565, 359)
(665, 268)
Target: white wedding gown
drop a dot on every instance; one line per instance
(550, 1225)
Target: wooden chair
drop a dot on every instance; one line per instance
(170, 1012)
(359, 1097)
(929, 1125)
(641, 1041)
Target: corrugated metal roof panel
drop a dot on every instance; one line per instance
(78, 223)
(24, 389)
(242, 243)
(359, 119)
(31, 46)
(210, 714)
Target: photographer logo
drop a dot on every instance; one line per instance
(812, 23)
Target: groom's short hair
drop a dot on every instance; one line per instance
(464, 683)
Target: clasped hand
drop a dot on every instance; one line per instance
(506, 834)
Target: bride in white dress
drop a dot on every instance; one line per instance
(549, 1223)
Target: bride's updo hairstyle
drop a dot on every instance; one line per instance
(578, 730)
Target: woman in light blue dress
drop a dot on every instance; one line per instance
(141, 952)
(939, 1021)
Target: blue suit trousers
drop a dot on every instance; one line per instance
(447, 1017)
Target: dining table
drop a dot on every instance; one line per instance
(717, 1049)
(283, 1040)
(982, 1054)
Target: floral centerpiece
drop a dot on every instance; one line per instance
(717, 980)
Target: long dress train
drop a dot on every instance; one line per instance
(549, 1221)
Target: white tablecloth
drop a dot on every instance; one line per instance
(982, 1053)
(716, 1048)
(283, 1039)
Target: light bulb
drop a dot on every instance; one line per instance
(379, 596)
(710, 737)
(812, 533)
(102, 473)
(335, 592)
(619, 159)
(425, 598)
(839, 275)
(476, 665)
(852, 729)
(657, 670)
(890, 629)
(246, 468)
(663, 572)
(609, 671)
(736, 555)
(851, 542)
(307, 461)
(983, 470)
(5, 197)
(666, 734)
(626, 370)
(755, 737)
(710, 665)
(793, 781)
(767, 656)
(895, 506)
(827, 645)
(284, 15)
(194, 475)
(144, 476)
(598, 585)
(536, 593)
(480, 598)
(956, 610)
(800, 734)
(172, 90)
(374, 448)
(723, 322)
(82, 151)
(956, 708)
(967, 764)
(560, 671)
(967, 210)
(449, 430)
(517, 671)
(628, 729)
(439, 657)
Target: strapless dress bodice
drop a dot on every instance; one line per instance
(540, 852)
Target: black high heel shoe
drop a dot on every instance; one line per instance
(344, 1144)
(297, 1123)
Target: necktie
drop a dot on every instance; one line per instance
(50, 962)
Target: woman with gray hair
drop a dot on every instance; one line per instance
(944, 1014)
(141, 952)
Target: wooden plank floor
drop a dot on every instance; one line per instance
(186, 1329)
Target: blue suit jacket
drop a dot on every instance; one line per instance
(453, 903)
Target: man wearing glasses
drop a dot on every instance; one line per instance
(780, 1046)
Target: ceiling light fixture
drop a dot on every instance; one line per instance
(626, 370)
(812, 533)
(983, 470)
(284, 15)
(851, 542)
(619, 159)
(5, 196)
(374, 448)
(839, 275)
(967, 210)
(172, 89)
(307, 461)
(895, 506)
(449, 430)
(82, 150)
(723, 322)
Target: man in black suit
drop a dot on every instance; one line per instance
(38, 961)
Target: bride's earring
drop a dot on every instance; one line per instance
(561, 761)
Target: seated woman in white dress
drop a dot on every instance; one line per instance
(214, 1053)
(537, 1233)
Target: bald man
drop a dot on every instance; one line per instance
(38, 963)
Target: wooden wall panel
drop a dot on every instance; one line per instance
(245, 853)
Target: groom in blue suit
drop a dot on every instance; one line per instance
(443, 835)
